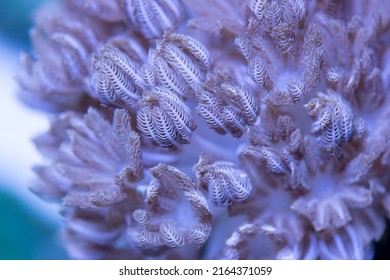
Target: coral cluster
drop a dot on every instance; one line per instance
(214, 129)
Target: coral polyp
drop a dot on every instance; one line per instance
(214, 129)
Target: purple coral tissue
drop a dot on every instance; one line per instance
(214, 129)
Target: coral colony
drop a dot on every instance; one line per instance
(214, 129)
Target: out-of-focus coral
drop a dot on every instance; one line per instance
(214, 129)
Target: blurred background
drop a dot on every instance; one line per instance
(29, 227)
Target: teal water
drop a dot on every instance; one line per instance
(16, 17)
(24, 235)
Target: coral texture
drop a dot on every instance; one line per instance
(219, 129)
